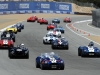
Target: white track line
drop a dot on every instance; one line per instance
(92, 27)
(84, 30)
(80, 34)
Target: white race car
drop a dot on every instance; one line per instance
(49, 38)
(57, 32)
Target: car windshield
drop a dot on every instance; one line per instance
(5, 38)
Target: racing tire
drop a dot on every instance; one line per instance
(42, 67)
(27, 55)
(40, 23)
(67, 47)
(44, 42)
(62, 67)
(14, 39)
(53, 47)
(47, 29)
(15, 32)
(10, 55)
(22, 27)
(79, 52)
(37, 65)
(82, 55)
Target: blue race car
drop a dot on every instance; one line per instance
(56, 20)
(60, 28)
(49, 61)
(20, 25)
(60, 43)
(89, 50)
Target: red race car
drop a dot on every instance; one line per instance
(6, 43)
(67, 19)
(32, 19)
(51, 26)
(42, 21)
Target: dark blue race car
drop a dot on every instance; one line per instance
(49, 61)
(60, 43)
(89, 50)
(19, 26)
(56, 20)
(60, 28)
(18, 52)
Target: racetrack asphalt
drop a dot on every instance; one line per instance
(32, 37)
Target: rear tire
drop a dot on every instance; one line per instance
(27, 55)
(37, 65)
(62, 67)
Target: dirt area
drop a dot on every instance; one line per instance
(6, 20)
(77, 8)
(95, 38)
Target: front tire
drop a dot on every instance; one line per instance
(27, 55)
(62, 67)
(37, 65)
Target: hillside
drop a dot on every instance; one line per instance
(77, 8)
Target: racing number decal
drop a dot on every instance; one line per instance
(5, 41)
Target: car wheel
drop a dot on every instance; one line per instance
(37, 65)
(10, 55)
(53, 47)
(27, 55)
(15, 32)
(47, 29)
(44, 42)
(67, 47)
(62, 67)
(40, 23)
(82, 55)
(79, 52)
(14, 39)
(42, 67)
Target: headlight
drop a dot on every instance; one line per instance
(98, 50)
(46, 62)
(62, 61)
(85, 50)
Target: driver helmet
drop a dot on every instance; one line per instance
(52, 53)
(63, 37)
(91, 44)
(22, 44)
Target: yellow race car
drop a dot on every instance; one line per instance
(14, 30)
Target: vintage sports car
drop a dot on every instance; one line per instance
(19, 25)
(49, 38)
(8, 34)
(18, 52)
(56, 20)
(49, 61)
(60, 43)
(13, 29)
(60, 28)
(32, 19)
(57, 33)
(6, 42)
(42, 21)
(67, 19)
(89, 50)
(51, 26)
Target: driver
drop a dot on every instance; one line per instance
(91, 44)
(52, 53)
(22, 45)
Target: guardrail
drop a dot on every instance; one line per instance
(35, 7)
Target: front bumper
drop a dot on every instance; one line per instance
(53, 65)
(59, 46)
(91, 53)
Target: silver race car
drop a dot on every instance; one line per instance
(49, 38)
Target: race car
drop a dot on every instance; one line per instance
(12, 29)
(89, 50)
(49, 38)
(60, 43)
(51, 26)
(19, 51)
(6, 42)
(59, 28)
(57, 32)
(56, 20)
(32, 19)
(67, 19)
(19, 25)
(42, 21)
(8, 34)
(49, 61)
